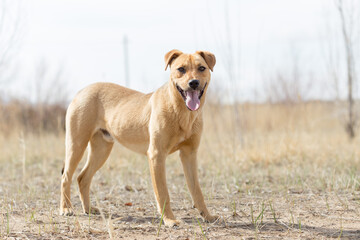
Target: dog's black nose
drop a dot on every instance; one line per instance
(194, 83)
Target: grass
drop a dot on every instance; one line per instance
(201, 229)
(7, 222)
(162, 218)
(273, 212)
(292, 171)
(260, 216)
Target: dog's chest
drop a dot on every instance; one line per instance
(181, 139)
(182, 136)
(178, 142)
(186, 129)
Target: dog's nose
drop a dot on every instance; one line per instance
(194, 84)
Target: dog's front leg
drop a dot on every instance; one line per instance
(189, 162)
(158, 177)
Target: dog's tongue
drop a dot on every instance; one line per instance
(192, 100)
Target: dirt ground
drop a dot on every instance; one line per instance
(292, 215)
(310, 218)
(291, 175)
(252, 206)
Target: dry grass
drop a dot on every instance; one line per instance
(290, 173)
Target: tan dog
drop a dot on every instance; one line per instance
(155, 124)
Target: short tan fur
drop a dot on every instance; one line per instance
(155, 124)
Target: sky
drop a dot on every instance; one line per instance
(253, 41)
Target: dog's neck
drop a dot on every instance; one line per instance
(186, 117)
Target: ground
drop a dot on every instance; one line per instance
(268, 183)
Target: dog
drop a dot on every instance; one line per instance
(155, 124)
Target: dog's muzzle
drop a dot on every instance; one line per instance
(191, 97)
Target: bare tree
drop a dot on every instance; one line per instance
(331, 54)
(289, 84)
(348, 19)
(50, 97)
(50, 87)
(9, 36)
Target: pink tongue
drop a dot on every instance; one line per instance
(192, 100)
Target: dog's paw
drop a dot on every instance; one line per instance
(66, 212)
(93, 210)
(172, 222)
(212, 218)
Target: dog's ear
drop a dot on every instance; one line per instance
(170, 56)
(209, 58)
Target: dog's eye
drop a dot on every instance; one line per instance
(181, 69)
(202, 68)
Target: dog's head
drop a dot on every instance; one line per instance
(190, 75)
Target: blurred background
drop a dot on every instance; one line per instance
(268, 52)
(281, 116)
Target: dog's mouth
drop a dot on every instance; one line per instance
(191, 97)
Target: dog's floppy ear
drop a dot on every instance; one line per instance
(170, 56)
(209, 58)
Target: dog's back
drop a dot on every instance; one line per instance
(115, 110)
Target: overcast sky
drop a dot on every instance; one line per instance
(85, 38)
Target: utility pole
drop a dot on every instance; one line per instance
(126, 60)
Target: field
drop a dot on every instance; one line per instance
(273, 171)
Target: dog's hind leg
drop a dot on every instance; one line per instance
(75, 147)
(100, 148)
